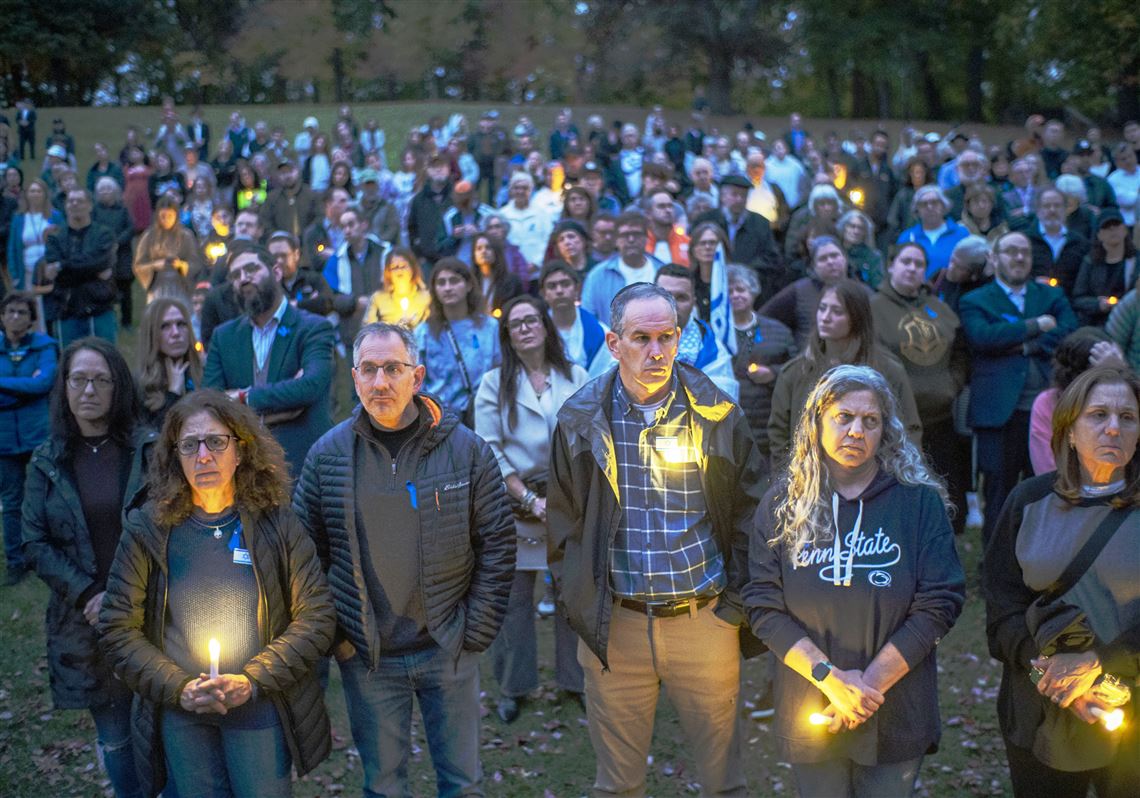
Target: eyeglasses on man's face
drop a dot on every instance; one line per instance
(393, 370)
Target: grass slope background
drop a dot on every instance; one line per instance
(46, 753)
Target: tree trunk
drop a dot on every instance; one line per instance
(720, 81)
(930, 88)
(834, 101)
(861, 107)
(883, 94)
(975, 73)
(1127, 87)
(338, 74)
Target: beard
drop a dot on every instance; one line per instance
(265, 299)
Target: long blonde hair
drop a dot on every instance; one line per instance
(803, 515)
(152, 366)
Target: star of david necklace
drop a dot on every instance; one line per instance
(217, 528)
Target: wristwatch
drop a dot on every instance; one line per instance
(820, 670)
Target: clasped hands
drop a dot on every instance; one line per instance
(853, 700)
(1067, 682)
(218, 695)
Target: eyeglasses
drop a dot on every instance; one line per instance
(215, 443)
(525, 321)
(393, 370)
(77, 382)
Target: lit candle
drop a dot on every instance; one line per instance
(1053, 281)
(856, 196)
(1112, 719)
(404, 305)
(753, 368)
(497, 313)
(1112, 300)
(215, 654)
(819, 719)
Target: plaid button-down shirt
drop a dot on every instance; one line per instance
(664, 549)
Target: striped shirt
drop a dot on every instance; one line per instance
(263, 336)
(664, 549)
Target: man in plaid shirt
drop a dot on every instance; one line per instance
(654, 481)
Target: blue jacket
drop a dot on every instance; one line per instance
(937, 252)
(296, 410)
(25, 383)
(1002, 341)
(16, 246)
(605, 280)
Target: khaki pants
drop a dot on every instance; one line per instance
(697, 659)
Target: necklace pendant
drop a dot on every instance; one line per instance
(217, 533)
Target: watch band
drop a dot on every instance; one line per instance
(820, 670)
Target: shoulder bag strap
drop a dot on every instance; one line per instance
(1087, 555)
(458, 357)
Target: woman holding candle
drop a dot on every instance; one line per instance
(1060, 591)
(403, 299)
(78, 482)
(853, 581)
(516, 409)
(1107, 271)
(213, 552)
(497, 283)
(166, 258)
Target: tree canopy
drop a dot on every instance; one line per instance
(958, 59)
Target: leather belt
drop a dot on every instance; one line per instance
(667, 609)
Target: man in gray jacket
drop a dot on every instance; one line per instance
(410, 519)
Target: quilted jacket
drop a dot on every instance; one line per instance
(466, 532)
(297, 622)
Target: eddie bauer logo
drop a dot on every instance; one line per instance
(857, 552)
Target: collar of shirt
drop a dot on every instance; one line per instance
(275, 320)
(1016, 295)
(627, 406)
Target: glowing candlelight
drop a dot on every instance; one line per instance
(1053, 282)
(404, 305)
(497, 313)
(1112, 300)
(819, 719)
(857, 197)
(198, 346)
(215, 251)
(215, 654)
(753, 368)
(1112, 719)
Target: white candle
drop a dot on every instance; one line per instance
(818, 719)
(1112, 719)
(215, 654)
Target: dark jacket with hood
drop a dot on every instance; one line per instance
(584, 510)
(296, 622)
(925, 335)
(899, 581)
(58, 545)
(466, 532)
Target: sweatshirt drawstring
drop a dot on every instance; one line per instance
(848, 566)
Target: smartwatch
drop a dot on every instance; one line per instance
(820, 670)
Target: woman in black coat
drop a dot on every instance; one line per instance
(78, 482)
(217, 611)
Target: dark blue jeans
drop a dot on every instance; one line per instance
(113, 732)
(102, 326)
(206, 761)
(12, 470)
(380, 713)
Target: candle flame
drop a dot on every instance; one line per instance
(857, 197)
(819, 719)
(215, 648)
(1112, 719)
(497, 313)
(1053, 282)
(1112, 300)
(404, 304)
(753, 368)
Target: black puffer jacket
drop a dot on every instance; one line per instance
(58, 545)
(466, 532)
(297, 623)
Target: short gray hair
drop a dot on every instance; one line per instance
(632, 293)
(383, 328)
(925, 191)
(738, 273)
(971, 250)
(1072, 186)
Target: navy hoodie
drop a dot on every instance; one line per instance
(898, 580)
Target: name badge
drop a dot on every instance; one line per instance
(241, 557)
(663, 444)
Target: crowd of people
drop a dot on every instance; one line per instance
(714, 394)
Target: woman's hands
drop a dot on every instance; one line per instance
(176, 375)
(205, 695)
(1067, 676)
(853, 701)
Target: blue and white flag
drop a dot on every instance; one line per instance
(720, 311)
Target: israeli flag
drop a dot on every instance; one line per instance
(720, 311)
